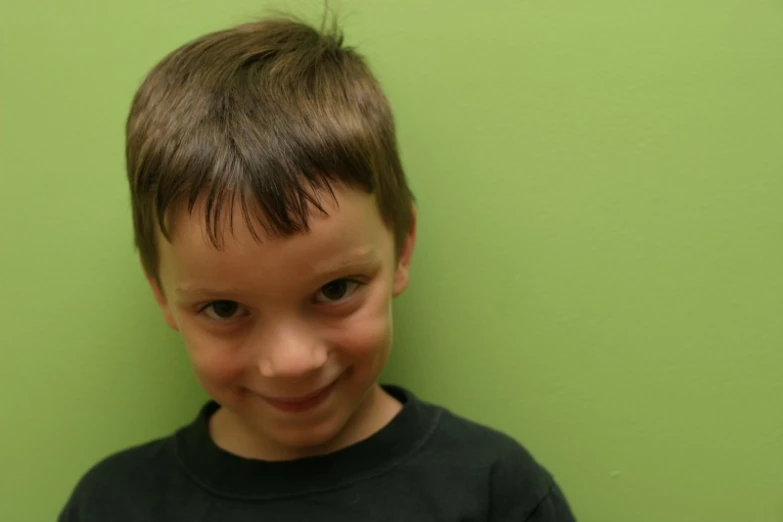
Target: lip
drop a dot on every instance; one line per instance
(303, 403)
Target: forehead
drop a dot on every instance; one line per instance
(350, 230)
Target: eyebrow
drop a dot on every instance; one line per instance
(187, 292)
(358, 260)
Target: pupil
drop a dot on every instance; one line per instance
(335, 290)
(224, 309)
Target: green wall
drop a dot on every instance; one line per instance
(599, 266)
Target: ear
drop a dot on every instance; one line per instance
(160, 298)
(405, 256)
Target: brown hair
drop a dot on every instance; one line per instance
(267, 115)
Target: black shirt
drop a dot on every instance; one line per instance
(426, 464)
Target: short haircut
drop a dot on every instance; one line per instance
(266, 115)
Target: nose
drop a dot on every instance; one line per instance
(290, 353)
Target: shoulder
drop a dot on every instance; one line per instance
(519, 487)
(503, 455)
(127, 474)
(143, 461)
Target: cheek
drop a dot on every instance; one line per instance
(366, 334)
(216, 362)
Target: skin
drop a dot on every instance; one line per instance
(281, 318)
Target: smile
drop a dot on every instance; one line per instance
(302, 403)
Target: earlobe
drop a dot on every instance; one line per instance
(404, 259)
(160, 298)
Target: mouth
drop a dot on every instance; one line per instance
(304, 402)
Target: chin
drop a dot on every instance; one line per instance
(313, 439)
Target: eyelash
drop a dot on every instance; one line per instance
(348, 280)
(354, 285)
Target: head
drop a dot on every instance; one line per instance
(274, 223)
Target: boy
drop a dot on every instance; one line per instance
(275, 225)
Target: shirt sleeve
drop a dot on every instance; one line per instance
(552, 508)
(521, 490)
(69, 512)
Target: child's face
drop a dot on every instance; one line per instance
(268, 324)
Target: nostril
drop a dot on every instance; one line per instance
(292, 362)
(320, 357)
(265, 368)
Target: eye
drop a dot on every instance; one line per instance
(336, 291)
(223, 310)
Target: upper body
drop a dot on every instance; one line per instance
(425, 465)
(275, 226)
